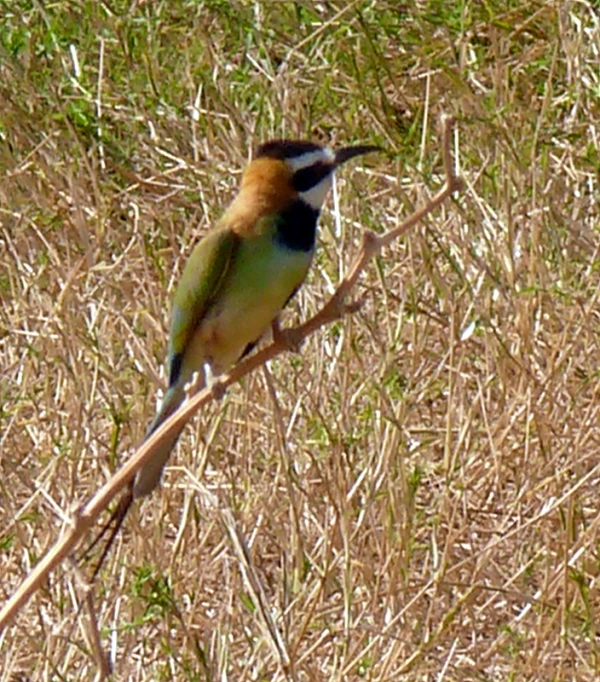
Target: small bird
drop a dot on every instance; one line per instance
(240, 276)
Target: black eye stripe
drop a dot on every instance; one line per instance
(308, 177)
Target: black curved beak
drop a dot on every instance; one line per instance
(346, 153)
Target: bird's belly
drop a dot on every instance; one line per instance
(248, 304)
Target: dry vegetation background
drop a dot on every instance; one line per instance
(419, 486)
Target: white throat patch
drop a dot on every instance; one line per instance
(315, 196)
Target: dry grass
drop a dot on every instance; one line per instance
(418, 487)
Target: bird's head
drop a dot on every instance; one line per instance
(285, 170)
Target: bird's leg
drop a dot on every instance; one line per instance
(286, 337)
(206, 378)
(209, 375)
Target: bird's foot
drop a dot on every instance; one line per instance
(217, 387)
(213, 381)
(195, 384)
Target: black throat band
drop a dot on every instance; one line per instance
(297, 227)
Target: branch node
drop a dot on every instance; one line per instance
(76, 517)
(354, 306)
(370, 243)
(455, 184)
(289, 339)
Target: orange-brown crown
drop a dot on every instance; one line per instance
(266, 189)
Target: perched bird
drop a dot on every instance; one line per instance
(242, 274)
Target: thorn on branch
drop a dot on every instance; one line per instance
(354, 306)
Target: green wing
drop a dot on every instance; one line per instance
(202, 278)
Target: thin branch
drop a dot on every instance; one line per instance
(85, 517)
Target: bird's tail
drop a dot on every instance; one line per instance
(149, 475)
(112, 527)
(146, 479)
